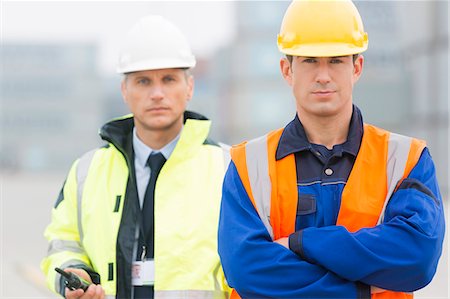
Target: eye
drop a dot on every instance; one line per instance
(168, 79)
(309, 60)
(336, 60)
(143, 81)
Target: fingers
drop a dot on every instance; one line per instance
(74, 294)
(93, 292)
(283, 241)
(375, 290)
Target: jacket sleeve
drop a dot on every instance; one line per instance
(402, 253)
(259, 268)
(65, 249)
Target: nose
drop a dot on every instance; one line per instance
(156, 93)
(323, 74)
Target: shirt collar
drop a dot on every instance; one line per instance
(293, 139)
(142, 151)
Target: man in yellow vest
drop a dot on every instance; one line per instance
(329, 207)
(126, 230)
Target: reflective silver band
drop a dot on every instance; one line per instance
(189, 294)
(398, 150)
(64, 245)
(82, 172)
(226, 154)
(258, 173)
(215, 273)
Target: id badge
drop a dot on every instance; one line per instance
(143, 273)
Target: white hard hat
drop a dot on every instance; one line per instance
(154, 43)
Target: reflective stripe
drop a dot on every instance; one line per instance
(186, 294)
(64, 245)
(398, 149)
(215, 275)
(258, 173)
(82, 172)
(226, 154)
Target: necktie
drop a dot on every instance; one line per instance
(155, 162)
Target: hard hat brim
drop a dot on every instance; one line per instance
(323, 50)
(156, 65)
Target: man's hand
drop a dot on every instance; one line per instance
(283, 241)
(93, 292)
(374, 290)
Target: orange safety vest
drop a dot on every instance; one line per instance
(383, 160)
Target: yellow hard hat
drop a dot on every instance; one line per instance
(322, 28)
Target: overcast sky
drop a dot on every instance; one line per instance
(207, 24)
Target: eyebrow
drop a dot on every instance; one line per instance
(141, 77)
(307, 57)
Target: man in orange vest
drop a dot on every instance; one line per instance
(328, 206)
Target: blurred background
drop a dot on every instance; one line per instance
(58, 86)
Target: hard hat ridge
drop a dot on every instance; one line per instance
(154, 43)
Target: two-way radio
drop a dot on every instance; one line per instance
(73, 281)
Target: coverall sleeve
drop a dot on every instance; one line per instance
(65, 249)
(257, 267)
(402, 253)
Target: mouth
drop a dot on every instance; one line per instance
(323, 93)
(157, 109)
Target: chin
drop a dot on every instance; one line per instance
(330, 108)
(322, 110)
(162, 124)
(327, 112)
(158, 126)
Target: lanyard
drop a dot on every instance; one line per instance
(146, 239)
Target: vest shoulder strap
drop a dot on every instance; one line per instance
(255, 163)
(383, 160)
(252, 165)
(403, 154)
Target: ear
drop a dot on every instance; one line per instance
(286, 71)
(358, 68)
(123, 89)
(190, 87)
